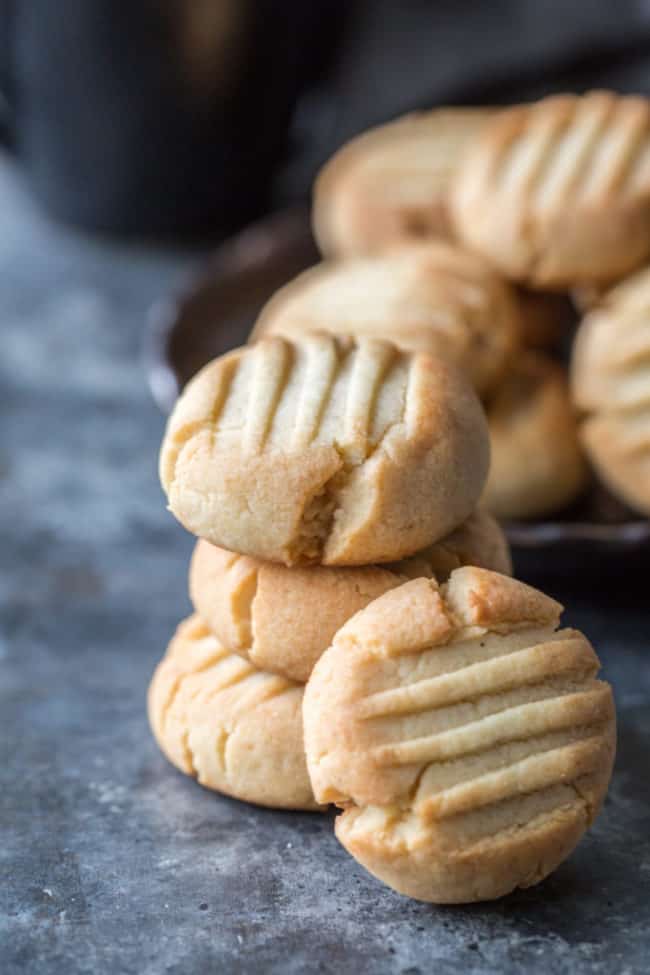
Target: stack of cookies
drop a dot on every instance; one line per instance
(357, 638)
(318, 474)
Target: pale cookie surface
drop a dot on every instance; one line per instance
(283, 619)
(611, 386)
(235, 728)
(557, 193)
(466, 737)
(429, 297)
(391, 184)
(325, 450)
(536, 464)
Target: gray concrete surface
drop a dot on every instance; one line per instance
(110, 860)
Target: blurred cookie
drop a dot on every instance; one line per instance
(235, 728)
(557, 193)
(466, 737)
(283, 619)
(325, 450)
(536, 465)
(390, 184)
(611, 386)
(424, 297)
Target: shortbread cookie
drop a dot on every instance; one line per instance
(557, 193)
(466, 737)
(323, 450)
(390, 184)
(429, 297)
(537, 465)
(235, 728)
(283, 619)
(611, 386)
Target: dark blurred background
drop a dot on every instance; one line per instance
(194, 117)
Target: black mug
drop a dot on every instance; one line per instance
(156, 116)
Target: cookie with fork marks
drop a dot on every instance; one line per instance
(325, 450)
(465, 736)
(557, 193)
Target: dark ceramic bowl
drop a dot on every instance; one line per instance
(595, 534)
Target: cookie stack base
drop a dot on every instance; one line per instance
(235, 728)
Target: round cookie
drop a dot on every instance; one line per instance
(283, 619)
(390, 184)
(611, 386)
(557, 193)
(235, 728)
(428, 297)
(325, 450)
(466, 737)
(537, 465)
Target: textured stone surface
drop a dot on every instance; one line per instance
(110, 860)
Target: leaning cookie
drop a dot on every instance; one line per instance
(466, 737)
(537, 465)
(283, 619)
(427, 297)
(557, 193)
(235, 728)
(390, 184)
(611, 388)
(325, 450)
